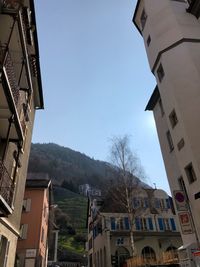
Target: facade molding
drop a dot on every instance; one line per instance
(183, 40)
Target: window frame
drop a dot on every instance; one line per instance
(170, 141)
(160, 72)
(190, 173)
(143, 19)
(173, 118)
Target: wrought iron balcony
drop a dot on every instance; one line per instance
(10, 73)
(6, 190)
(7, 67)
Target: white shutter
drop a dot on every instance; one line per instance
(24, 230)
(28, 204)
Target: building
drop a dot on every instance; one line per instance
(20, 96)
(156, 234)
(89, 191)
(171, 31)
(32, 247)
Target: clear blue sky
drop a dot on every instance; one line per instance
(96, 80)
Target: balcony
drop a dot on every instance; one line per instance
(6, 191)
(10, 96)
(194, 8)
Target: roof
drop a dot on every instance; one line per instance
(37, 53)
(38, 183)
(153, 99)
(134, 16)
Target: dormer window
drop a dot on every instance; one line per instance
(143, 19)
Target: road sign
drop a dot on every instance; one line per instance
(180, 200)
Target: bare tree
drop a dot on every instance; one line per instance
(127, 183)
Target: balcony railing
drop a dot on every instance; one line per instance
(6, 185)
(10, 72)
(7, 64)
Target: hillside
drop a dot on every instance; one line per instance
(67, 170)
(65, 164)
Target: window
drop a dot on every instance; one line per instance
(137, 223)
(150, 223)
(148, 40)
(4, 248)
(181, 144)
(157, 203)
(182, 186)
(126, 223)
(173, 118)
(143, 19)
(190, 173)
(160, 223)
(141, 224)
(27, 205)
(120, 241)
(161, 107)
(24, 230)
(112, 222)
(173, 225)
(136, 203)
(160, 73)
(170, 142)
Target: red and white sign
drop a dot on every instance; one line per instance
(180, 200)
(185, 222)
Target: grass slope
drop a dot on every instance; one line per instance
(75, 206)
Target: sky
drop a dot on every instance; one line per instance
(96, 81)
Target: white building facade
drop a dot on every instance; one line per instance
(156, 233)
(171, 33)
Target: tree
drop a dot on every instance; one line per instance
(127, 183)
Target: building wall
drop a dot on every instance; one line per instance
(12, 103)
(37, 221)
(109, 232)
(175, 44)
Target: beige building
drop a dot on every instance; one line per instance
(20, 95)
(156, 234)
(32, 247)
(171, 33)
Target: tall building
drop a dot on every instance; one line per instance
(171, 33)
(155, 232)
(20, 96)
(32, 248)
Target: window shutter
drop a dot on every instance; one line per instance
(173, 225)
(28, 204)
(6, 254)
(126, 222)
(24, 230)
(112, 223)
(150, 223)
(160, 223)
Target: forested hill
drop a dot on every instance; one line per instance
(64, 164)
